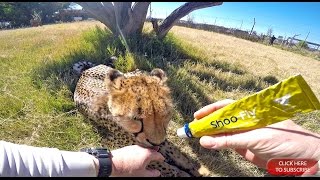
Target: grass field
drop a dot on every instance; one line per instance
(36, 82)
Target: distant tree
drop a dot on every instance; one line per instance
(36, 19)
(261, 36)
(269, 32)
(49, 8)
(20, 13)
(254, 33)
(17, 13)
(190, 19)
(5, 9)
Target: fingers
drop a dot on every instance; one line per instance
(222, 141)
(244, 153)
(248, 155)
(240, 142)
(151, 173)
(211, 108)
(155, 156)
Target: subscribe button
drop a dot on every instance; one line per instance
(295, 167)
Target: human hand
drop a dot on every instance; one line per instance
(133, 160)
(284, 139)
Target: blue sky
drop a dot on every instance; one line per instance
(285, 18)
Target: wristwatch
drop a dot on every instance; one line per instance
(104, 157)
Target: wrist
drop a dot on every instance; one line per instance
(318, 150)
(114, 171)
(96, 165)
(118, 164)
(316, 142)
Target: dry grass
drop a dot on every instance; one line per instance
(203, 67)
(252, 60)
(256, 58)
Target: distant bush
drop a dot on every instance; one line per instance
(303, 44)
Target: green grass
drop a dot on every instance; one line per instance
(37, 85)
(36, 110)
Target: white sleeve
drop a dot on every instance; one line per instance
(23, 160)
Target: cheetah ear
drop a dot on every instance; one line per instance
(111, 78)
(114, 74)
(159, 73)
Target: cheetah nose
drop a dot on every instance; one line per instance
(153, 144)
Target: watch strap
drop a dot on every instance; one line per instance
(105, 167)
(104, 157)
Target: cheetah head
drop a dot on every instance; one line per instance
(140, 103)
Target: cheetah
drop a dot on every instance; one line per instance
(132, 108)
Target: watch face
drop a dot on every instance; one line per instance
(97, 152)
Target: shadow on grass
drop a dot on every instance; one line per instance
(55, 74)
(149, 52)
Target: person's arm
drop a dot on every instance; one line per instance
(23, 160)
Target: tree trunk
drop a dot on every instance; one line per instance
(103, 12)
(119, 17)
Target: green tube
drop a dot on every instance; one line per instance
(271, 105)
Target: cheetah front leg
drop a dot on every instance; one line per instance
(167, 170)
(174, 156)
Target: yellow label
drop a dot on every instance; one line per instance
(274, 104)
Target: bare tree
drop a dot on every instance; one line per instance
(190, 19)
(36, 19)
(269, 32)
(128, 18)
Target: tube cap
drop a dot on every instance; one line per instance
(181, 133)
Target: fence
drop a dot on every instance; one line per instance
(254, 30)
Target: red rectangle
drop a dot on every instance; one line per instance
(295, 167)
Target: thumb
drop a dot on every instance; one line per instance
(155, 156)
(239, 140)
(211, 108)
(152, 173)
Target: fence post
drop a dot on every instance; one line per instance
(254, 22)
(304, 40)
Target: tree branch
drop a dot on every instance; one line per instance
(122, 10)
(179, 13)
(105, 13)
(139, 11)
